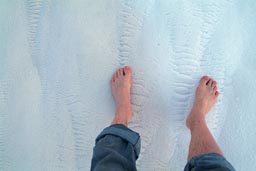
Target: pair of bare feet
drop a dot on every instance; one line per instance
(121, 83)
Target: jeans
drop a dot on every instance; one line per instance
(118, 147)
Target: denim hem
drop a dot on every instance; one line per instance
(123, 132)
(209, 161)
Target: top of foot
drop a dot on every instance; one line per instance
(121, 84)
(205, 97)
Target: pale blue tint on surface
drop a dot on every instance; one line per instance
(57, 59)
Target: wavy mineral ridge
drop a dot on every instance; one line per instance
(57, 58)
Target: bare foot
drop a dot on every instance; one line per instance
(121, 84)
(206, 96)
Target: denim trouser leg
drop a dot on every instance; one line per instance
(117, 148)
(209, 162)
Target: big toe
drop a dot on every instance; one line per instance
(204, 80)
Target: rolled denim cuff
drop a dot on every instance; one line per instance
(209, 161)
(125, 133)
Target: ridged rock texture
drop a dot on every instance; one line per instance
(57, 58)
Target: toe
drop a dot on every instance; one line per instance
(127, 70)
(204, 79)
(120, 72)
(116, 75)
(209, 83)
(214, 83)
(215, 89)
(113, 79)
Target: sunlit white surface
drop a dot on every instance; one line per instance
(57, 58)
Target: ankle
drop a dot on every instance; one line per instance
(195, 119)
(123, 115)
(195, 124)
(119, 121)
(198, 111)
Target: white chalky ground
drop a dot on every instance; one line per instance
(57, 59)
